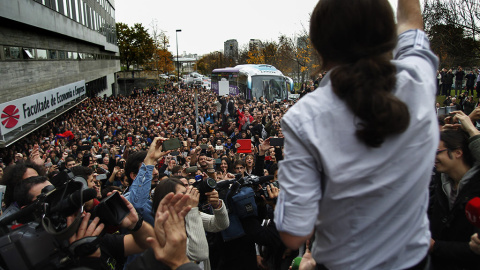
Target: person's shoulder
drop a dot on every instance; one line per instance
(310, 105)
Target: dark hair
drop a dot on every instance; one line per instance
(22, 189)
(272, 169)
(13, 174)
(176, 169)
(82, 171)
(162, 189)
(133, 163)
(457, 139)
(239, 162)
(229, 164)
(359, 45)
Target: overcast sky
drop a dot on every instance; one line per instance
(207, 24)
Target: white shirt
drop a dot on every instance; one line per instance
(368, 205)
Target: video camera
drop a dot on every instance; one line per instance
(240, 200)
(42, 241)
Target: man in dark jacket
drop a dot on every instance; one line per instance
(459, 76)
(470, 82)
(456, 183)
(447, 81)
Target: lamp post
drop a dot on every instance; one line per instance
(176, 41)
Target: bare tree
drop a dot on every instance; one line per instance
(453, 27)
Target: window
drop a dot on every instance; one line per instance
(64, 11)
(11, 52)
(42, 54)
(28, 53)
(77, 18)
(62, 55)
(72, 55)
(71, 9)
(52, 54)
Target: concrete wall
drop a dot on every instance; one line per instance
(23, 78)
(36, 15)
(26, 77)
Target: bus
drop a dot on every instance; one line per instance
(252, 81)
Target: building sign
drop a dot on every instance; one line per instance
(19, 112)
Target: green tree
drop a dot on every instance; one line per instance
(135, 45)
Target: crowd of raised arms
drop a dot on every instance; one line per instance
(370, 175)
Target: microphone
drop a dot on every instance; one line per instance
(71, 203)
(472, 211)
(224, 184)
(265, 179)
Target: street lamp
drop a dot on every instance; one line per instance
(176, 41)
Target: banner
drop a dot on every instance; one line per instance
(19, 112)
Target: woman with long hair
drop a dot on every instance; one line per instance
(359, 150)
(196, 222)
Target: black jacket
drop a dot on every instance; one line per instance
(451, 229)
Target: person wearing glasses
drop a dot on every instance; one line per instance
(239, 167)
(456, 182)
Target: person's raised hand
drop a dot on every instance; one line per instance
(155, 151)
(460, 119)
(263, 146)
(170, 248)
(475, 114)
(194, 196)
(35, 156)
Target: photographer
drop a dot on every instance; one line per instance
(272, 252)
(13, 174)
(115, 247)
(196, 223)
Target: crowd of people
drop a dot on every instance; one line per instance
(163, 188)
(108, 140)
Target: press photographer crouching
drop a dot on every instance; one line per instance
(56, 234)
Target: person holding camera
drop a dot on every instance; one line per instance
(113, 248)
(361, 185)
(196, 222)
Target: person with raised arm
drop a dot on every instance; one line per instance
(361, 184)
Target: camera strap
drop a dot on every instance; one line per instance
(65, 233)
(85, 246)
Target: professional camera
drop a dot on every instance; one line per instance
(204, 186)
(42, 241)
(241, 202)
(258, 184)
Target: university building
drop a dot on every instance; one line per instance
(53, 55)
